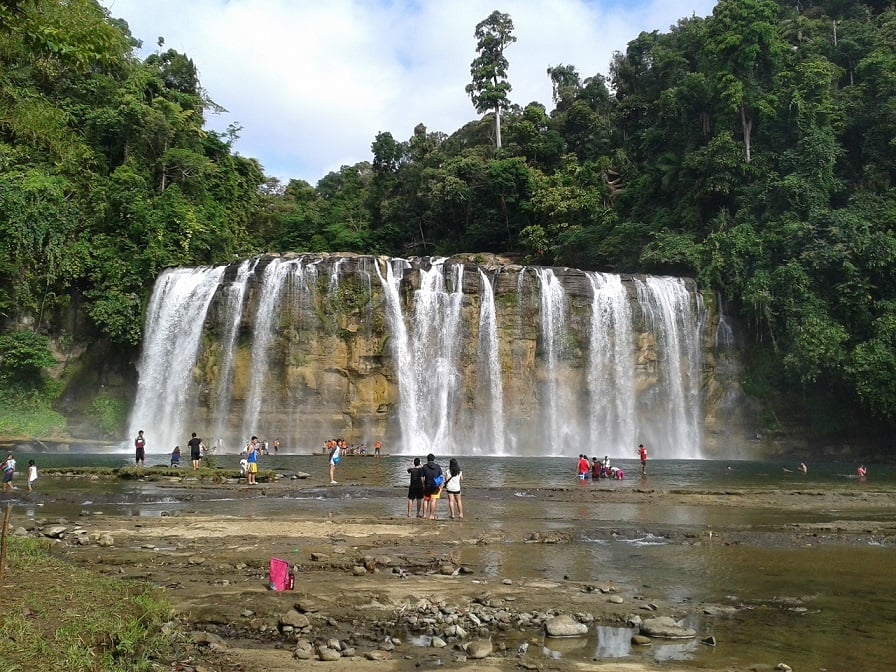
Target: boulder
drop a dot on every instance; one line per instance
(479, 648)
(565, 626)
(294, 619)
(666, 627)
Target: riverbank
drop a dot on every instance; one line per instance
(388, 591)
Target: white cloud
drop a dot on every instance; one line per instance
(312, 82)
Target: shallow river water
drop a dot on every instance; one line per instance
(817, 606)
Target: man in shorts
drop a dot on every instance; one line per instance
(195, 450)
(430, 474)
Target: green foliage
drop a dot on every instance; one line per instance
(116, 627)
(751, 148)
(23, 357)
(109, 413)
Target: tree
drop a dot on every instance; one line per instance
(746, 47)
(490, 87)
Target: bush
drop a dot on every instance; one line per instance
(109, 413)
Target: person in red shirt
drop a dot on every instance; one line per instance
(642, 453)
(584, 467)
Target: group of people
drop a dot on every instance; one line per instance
(428, 481)
(354, 449)
(8, 467)
(598, 469)
(197, 451)
(594, 468)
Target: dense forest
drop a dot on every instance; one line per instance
(754, 149)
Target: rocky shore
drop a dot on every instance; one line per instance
(396, 594)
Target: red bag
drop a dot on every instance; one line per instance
(279, 575)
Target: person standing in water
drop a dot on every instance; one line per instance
(140, 448)
(195, 445)
(32, 474)
(642, 455)
(861, 472)
(335, 456)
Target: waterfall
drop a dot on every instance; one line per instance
(524, 361)
(401, 352)
(674, 403)
(264, 329)
(233, 314)
(165, 405)
(333, 286)
(556, 433)
(491, 438)
(611, 380)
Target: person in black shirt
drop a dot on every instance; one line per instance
(195, 450)
(432, 480)
(415, 488)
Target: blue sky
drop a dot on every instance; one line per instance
(313, 82)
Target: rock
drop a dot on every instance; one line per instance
(438, 643)
(479, 648)
(302, 654)
(784, 667)
(719, 610)
(196, 560)
(55, 532)
(304, 650)
(615, 599)
(328, 654)
(20, 532)
(507, 582)
(377, 655)
(641, 640)
(320, 557)
(208, 638)
(709, 641)
(446, 570)
(305, 606)
(666, 627)
(301, 474)
(105, 539)
(565, 626)
(383, 560)
(294, 619)
(359, 570)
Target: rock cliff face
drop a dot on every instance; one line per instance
(467, 355)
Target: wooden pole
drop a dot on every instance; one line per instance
(3, 542)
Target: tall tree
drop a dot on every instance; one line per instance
(490, 87)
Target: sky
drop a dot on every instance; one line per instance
(312, 82)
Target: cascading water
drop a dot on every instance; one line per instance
(557, 433)
(667, 306)
(264, 329)
(234, 298)
(524, 361)
(166, 392)
(611, 376)
(491, 434)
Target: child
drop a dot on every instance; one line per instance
(32, 474)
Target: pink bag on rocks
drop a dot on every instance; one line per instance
(279, 575)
